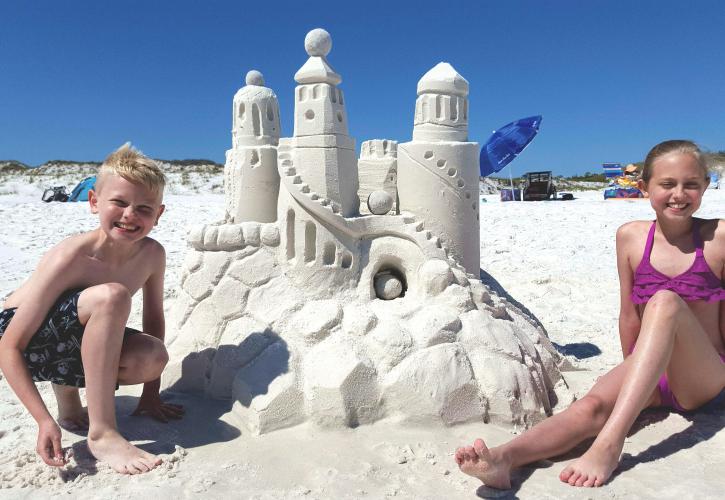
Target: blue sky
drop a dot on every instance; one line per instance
(611, 78)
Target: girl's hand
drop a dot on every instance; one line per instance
(49, 447)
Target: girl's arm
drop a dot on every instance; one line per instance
(722, 321)
(720, 238)
(629, 320)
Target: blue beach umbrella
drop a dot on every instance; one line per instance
(506, 143)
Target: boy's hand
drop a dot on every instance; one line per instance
(150, 404)
(49, 447)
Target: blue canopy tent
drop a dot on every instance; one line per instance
(80, 192)
(612, 170)
(714, 180)
(506, 144)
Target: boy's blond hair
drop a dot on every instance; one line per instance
(131, 164)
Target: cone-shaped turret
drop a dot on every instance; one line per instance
(251, 180)
(441, 110)
(438, 169)
(255, 115)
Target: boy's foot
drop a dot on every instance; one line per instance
(593, 468)
(488, 466)
(71, 414)
(121, 455)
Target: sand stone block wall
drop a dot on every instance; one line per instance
(302, 309)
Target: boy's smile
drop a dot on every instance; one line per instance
(126, 227)
(127, 211)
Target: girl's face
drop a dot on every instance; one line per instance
(676, 186)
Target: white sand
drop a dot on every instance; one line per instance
(554, 258)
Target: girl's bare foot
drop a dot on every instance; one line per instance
(593, 468)
(72, 416)
(110, 447)
(488, 466)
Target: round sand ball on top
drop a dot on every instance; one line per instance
(380, 202)
(254, 77)
(318, 42)
(387, 286)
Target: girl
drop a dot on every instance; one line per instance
(671, 328)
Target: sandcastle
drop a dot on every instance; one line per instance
(306, 304)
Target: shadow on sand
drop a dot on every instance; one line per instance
(518, 477)
(201, 425)
(704, 424)
(580, 350)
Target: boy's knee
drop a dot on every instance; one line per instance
(113, 295)
(155, 363)
(160, 358)
(152, 362)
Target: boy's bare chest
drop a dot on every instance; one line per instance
(132, 274)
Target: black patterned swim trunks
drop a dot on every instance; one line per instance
(54, 352)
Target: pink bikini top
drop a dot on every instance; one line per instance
(697, 283)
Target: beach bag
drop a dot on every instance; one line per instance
(56, 193)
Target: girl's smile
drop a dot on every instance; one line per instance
(676, 186)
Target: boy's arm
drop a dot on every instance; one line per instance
(154, 324)
(629, 320)
(52, 277)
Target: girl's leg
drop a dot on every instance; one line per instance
(104, 309)
(551, 437)
(671, 338)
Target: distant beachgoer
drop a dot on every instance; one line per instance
(66, 324)
(671, 328)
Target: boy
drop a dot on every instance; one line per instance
(66, 323)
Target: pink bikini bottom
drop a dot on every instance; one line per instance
(668, 399)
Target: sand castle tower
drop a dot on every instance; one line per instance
(320, 134)
(322, 314)
(251, 181)
(378, 170)
(438, 169)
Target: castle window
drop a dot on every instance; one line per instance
(310, 241)
(328, 254)
(290, 234)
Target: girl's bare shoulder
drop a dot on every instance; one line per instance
(712, 232)
(634, 230)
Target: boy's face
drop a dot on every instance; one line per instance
(126, 211)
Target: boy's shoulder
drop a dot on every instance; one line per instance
(68, 249)
(152, 248)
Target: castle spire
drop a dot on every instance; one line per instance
(325, 154)
(317, 69)
(441, 110)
